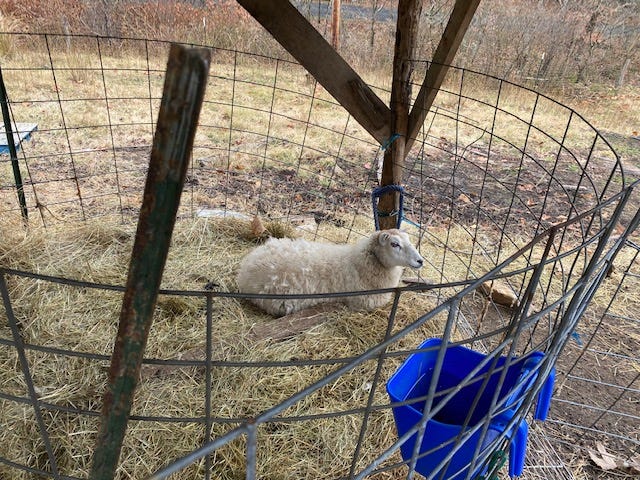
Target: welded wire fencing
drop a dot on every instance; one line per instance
(520, 207)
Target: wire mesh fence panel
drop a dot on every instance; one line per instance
(519, 207)
(596, 407)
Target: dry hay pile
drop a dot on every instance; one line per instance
(316, 437)
(84, 319)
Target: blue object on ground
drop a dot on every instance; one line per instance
(445, 430)
(21, 131)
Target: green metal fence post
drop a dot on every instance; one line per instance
(13, 152)
(185, 81)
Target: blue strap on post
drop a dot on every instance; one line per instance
(388, 143)
(376, 194)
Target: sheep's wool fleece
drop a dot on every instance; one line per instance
(285, 266)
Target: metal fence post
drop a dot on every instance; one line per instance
(13, 153)
(184, 87)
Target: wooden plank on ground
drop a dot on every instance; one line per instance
(500, 293)
(295, 323)
(289, 27)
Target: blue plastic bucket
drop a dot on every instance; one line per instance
(412, 380)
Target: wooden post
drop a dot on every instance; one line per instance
(184, 86)
(289, 27)
(406, 34)
(335, 24)
(457, 26)
(395, 129)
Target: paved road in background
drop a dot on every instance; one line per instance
(322, 9)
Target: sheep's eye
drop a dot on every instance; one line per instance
(395, 245)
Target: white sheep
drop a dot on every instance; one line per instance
(285, 266)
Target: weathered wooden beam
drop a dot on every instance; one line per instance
(454, 32)
(406, 36)
(294, 324)
(185, 81)
(289, 27)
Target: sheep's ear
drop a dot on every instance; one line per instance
(384, 237)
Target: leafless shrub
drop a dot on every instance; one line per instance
(546, 42)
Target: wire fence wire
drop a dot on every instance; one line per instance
(504, 184)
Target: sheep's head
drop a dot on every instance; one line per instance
(394, 249)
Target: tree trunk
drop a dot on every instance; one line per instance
(623, 72)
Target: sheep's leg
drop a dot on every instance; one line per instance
(368, 303)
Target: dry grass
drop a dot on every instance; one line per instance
(203, 251)
(85, 319)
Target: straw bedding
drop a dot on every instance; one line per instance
(83, 319)
(315, 438)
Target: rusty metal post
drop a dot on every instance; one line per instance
(185, 81)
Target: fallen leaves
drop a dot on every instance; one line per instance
(257, 231)
(608, 461)
(464, 198)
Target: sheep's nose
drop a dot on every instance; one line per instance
(420, 261)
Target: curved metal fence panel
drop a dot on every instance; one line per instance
(512, 353)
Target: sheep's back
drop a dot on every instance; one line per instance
(293, 266)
